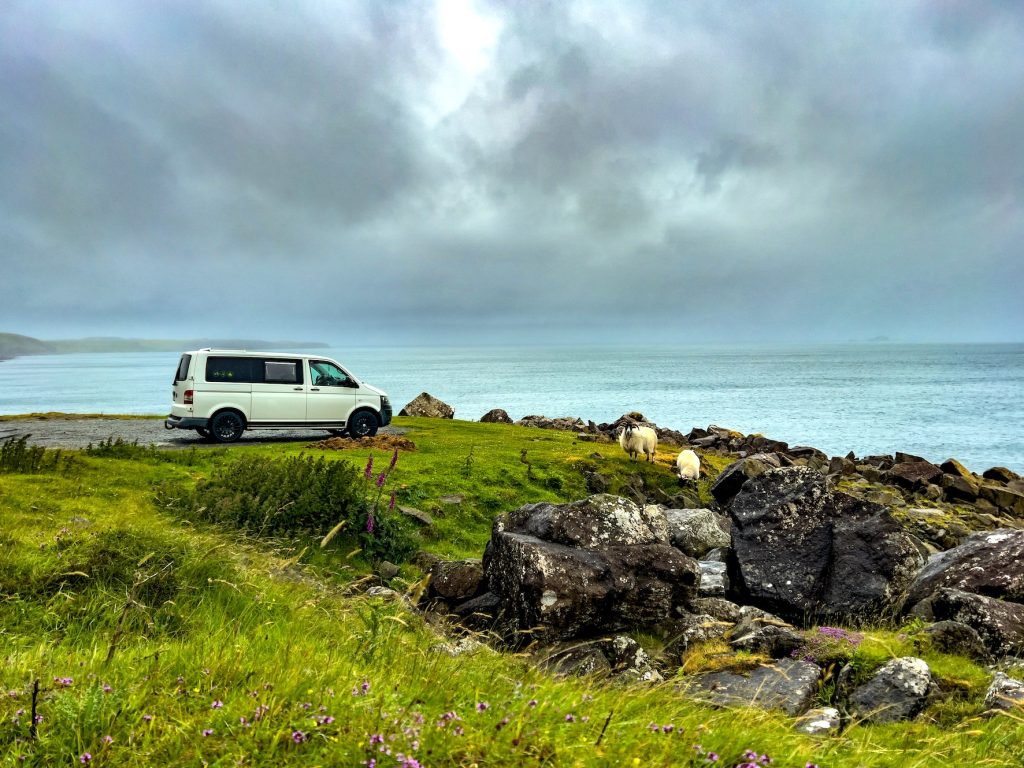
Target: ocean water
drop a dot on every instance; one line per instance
(933, 400)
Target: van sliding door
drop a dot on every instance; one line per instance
(278, 391)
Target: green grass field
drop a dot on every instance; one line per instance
(158, 640)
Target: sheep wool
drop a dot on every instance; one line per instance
(687, 465)
(635, 439)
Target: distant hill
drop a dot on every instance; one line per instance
(14, 345)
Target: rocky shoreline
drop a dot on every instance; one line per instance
(780, 558)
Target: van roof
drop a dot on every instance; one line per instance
(249, 353)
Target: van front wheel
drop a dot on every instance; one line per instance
(226, 427)
(362, 424)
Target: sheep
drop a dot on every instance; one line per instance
(636, 439)
(687, 466)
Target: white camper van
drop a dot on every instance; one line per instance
(220, 393)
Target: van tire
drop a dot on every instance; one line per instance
(227, 426)
(362, 424)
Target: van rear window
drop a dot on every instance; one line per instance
(182, 373)
(282, 372)
(235, 370)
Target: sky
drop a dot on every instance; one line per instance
(471, 172)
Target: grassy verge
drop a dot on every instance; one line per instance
(161, 641)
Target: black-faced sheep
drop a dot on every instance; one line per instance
(635, 439)
(687, 466)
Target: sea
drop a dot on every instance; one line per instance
(934, 400)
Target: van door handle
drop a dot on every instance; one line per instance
(314, 389)
(297, 389)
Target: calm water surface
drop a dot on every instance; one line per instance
(934, 400)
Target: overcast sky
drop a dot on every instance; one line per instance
(460, 171)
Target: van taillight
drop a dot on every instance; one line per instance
(188, 396)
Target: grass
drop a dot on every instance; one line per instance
(151, 630)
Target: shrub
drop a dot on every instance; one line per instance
(16, 455)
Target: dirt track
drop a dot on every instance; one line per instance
(78, 433)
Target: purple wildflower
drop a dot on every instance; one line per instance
(325, 719)
(711, 757)
(502, 724)
(381, 478)
(764, 760)
(298, 737)
(531, 703)
(306, 705)
(668, 728)
(376, 738)
(371, 763)
(243, 721)
(391, 504)
(208, 732)
(369, 523)
(369, 467)
(108, 739)
(570, 718)
(394, 460)
(148, 718)
(457, 730)
(365, 687)
(811, 765)
(38, 719)
(217, 704)
(64, 682)
(482, 706)
(107, 688)
(181, 679)
(750, 755)
(85, 758)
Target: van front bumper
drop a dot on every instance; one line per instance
(183, 422)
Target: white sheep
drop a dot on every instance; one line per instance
(635, 439)
(687, 466)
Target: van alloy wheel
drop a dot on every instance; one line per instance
(226, 427)
(362, 424)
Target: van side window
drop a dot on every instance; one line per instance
(282, 372)
(235, 370)
(325, 374)
(182, 372)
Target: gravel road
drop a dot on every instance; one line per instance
(78, 433)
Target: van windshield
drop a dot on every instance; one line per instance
(182, 372)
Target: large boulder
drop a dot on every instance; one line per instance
(589, 567)
(988, 563)
(999, 623)
(1004, 694)
(697, 531)
(732, 478)
(496, 416)
(913, 475)
(425, 404)
(898, 691)
(800, 550)
(455, 581)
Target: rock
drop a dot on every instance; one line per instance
(565, 423)
(425, 404)
(1004, 694)
(760, 632)
(452, 498)
(800, 550)
(957, 488)
(732, 478)
(619, 656)
(789, 685)
(908, 458)
(690, 629)
(714, 579)
(597, 565)
(987, 563)
(956, 638)
(459, 647)
(717, 555)
(696, 531)
(1004, 498)
(596, 482)
(842, 466)
(496, 416)
(1000, 624)
(382, 592)
(387, 570)
(456, 581)
(913, 475)
(718, 608)
(898, 691)
(1000, 475)
(955, 468)
(418, 515)
(823, 720)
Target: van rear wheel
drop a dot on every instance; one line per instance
(362, 424)
(227, 427)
